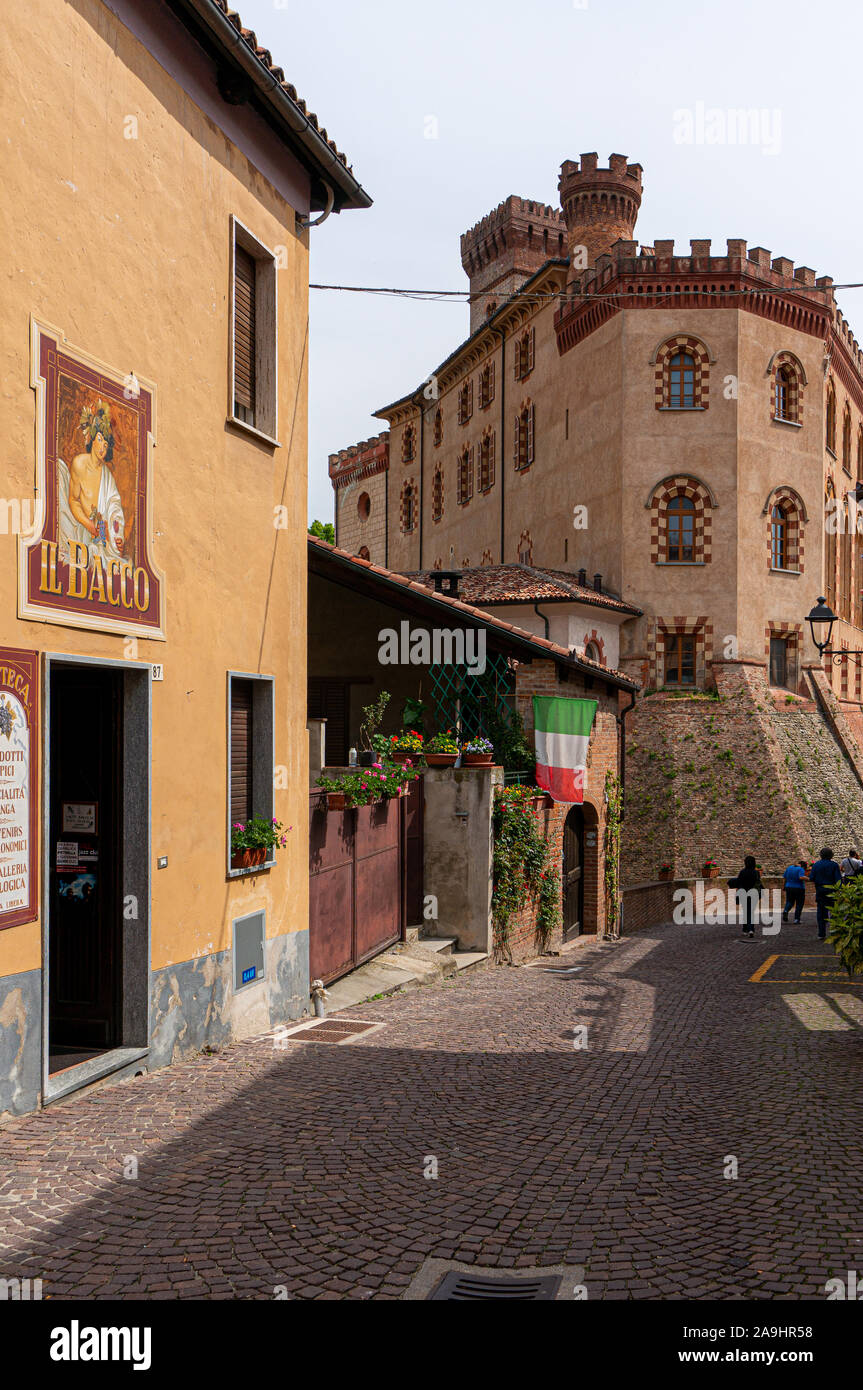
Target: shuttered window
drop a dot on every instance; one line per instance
(241, 751)
(245, 335)
(329, 700)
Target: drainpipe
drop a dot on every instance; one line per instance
(621, 724)
(502, 469)
(422, 489)
(544, 619)
(322, 217)
(319, 994)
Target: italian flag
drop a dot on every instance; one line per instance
(562, 732)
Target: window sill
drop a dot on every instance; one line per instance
(781, 420)
(253, 431)
(682, 409)
(775, 570)
(831, 452)
(681, 564)
(253, 869)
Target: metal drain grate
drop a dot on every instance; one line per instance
(332, 1030)
(465, 1288)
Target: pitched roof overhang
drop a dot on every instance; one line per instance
(363, 577)
(257, 79)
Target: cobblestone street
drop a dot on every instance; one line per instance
(304, 1167)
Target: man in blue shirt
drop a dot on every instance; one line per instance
(795, 890)
(825, 875)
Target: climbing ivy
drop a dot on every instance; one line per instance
(612, 852)
(522, 872)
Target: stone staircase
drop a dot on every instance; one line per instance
(446, 947)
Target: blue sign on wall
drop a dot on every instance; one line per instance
(249, 974)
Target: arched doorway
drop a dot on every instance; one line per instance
(573, 874)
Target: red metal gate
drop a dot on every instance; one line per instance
(363, 869)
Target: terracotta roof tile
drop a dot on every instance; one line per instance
(266, 59)
(491, 584)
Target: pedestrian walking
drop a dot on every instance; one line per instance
(795, 890)
(746, 880)
(825, 874)
(851, 865)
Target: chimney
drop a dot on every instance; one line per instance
(446, 582)
(597, 583)
(582, 578)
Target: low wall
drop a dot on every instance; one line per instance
(524, 943)
(457, 840)
(647, 905)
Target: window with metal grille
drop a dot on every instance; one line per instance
(679, 659)
(779, 538)
(786, 394)
(681, 381)
(680, 531)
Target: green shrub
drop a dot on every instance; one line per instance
(846, 925)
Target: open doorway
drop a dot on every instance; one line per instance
(573, 874)
(97, 869)
(85, 854)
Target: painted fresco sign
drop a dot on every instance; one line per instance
(19, 693)
(87, 562)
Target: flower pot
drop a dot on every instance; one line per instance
(335, 801)
(366, 759)
(248, 858)
(538, 801)
(710, 871)
(477, 760)
(665, 874)
(399, 757)
(441, 759)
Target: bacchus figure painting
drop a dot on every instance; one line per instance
(90, 508)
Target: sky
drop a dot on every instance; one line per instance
(445, 109)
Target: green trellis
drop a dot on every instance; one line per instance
(463, 701)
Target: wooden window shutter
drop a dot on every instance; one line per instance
(490, 382)
(245, 334)
(516, 441)
(530, 349)
(491, 460)
(470, 473)
(241, 751)
(530, 433)
(470, 398)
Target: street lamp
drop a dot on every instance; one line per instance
(821, 619)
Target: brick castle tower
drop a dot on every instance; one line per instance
(600, 205)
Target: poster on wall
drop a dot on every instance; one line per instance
(19, 693)
(87, 562)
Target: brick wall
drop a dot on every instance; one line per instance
(753, 772)
(523, 940)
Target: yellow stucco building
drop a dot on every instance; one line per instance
(159, 178)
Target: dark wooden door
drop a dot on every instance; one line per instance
(778, 662)
(85, 930)
(573, 873)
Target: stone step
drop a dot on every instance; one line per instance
(467, 960)
(443, 945)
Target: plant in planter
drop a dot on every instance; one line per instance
(442, 750)
(477, 753)
(376, 783)
(370, 720)
(665, 871)
(710, 869)
(253, 841)
(408, 745)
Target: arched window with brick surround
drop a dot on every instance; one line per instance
(464, 477)
(681, 521)
(787, 380)
(485, 480)
(437, 494)
(437, 434)
(786, 516)
(408, 507)
(525, 549)
(409, 438)
(524, 432)
(682, 373)
(363, 553)
(830, 418)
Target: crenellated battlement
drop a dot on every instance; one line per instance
(506, 247)
(362, 459)
(600, 205)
